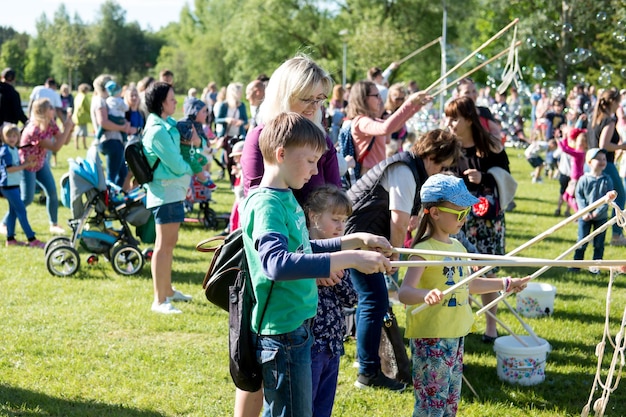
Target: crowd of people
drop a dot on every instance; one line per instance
(444, 189)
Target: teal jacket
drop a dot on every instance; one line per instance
(161, 140)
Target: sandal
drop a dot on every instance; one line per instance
(489, 339)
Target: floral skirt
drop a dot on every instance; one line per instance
(437, 376)
(486, 235)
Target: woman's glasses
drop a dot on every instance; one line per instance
(374, 95)
(460, 214)
(312, 101)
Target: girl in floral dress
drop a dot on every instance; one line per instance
(436, 335)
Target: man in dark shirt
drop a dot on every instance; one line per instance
(10, 107)
(10, 101)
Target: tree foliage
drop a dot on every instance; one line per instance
(213, 40)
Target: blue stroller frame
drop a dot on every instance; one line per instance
(101, 216)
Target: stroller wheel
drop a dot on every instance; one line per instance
(56, 241)
(62, 260)
(126, 259)
(208, 217)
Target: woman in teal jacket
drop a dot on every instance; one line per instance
(167, 190)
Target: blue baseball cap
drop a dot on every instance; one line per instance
(112, 87)
(442, 187)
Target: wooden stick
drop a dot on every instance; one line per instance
(467, 58)
(513, 263)
(610, 196)
(522, 322)
(467, 74)
(471, 255)
(561, 256)
(501, 323)
(419, 50)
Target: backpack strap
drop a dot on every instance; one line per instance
(246, 272)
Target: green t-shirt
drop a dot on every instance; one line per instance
(453, 316)
(291, 302)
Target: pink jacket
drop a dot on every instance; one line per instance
(578, 159)
(364, 128)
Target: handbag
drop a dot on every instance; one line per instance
(228, 257)
(245, 371)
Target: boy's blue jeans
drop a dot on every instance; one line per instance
(287, 379)
(371, 309)
(584, 229)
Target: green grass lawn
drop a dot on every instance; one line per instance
(88, 345)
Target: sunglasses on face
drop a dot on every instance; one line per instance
(460, 214)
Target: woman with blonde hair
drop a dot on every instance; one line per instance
(38, 137)
(604, 135)
(395, 98)
(336, 111)
(231, 122)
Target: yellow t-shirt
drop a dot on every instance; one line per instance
(453, 316)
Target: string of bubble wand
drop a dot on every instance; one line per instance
(608, 387)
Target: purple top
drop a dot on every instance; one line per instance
(252, 167)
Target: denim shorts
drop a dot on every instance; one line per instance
(169, 213)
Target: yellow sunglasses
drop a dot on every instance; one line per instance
(460, 214)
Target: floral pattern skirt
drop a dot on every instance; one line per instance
(486, 235)
(437, 376)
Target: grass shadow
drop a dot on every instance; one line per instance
(21, 402)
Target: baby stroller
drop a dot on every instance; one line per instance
(201, 194)
(101, 216)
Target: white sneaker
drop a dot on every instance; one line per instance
(165, 308)
(57, 230)
(179, 296)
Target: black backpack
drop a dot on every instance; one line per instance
(137, 161)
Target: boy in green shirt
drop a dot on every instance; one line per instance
(284, 263)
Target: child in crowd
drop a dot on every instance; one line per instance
(10, 178)
(116, 107)
(195, 113)
(592, 186)
(555, 118)
(235, 154)
(327, 210)
(80, 115)
(552, 159)
(533, 156)
(284, 263)
(437, 334)
(577, 155)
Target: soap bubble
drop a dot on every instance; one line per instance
(606, 69)
(555, 89)
(583, 54)
(578, 78)
(604, 80)
(619, 36)
(601, 17)
(621, 24)
(531, 42)
(538, 72)
(571, 58)
(567, 28)
(622, 73)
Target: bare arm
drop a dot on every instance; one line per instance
(605, 139)
(102, 118)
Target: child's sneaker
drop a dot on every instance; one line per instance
(3, 229)
(57, 230)
(36, 244)
(165, 308)
(14, 242)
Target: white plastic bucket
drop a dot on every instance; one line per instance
(518, 364)
(536, 300)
